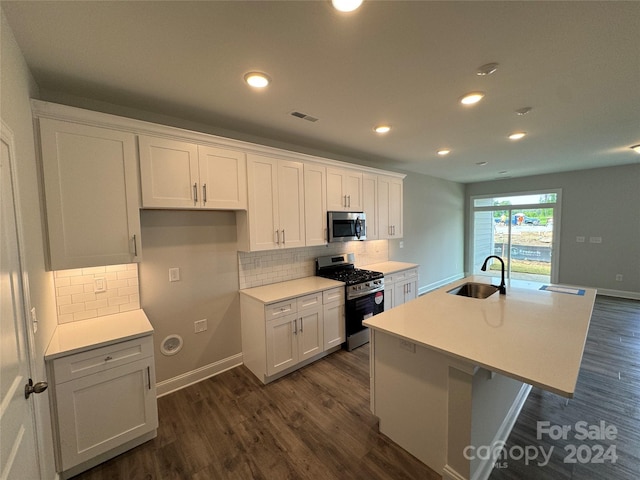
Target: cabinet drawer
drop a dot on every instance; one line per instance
(276, 310)
(402, 275)
(333, 295)
(307, 302)
(100, 359)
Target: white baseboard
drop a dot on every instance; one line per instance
(194, 376)
(432, 286)
(486, 466)
(619, 294)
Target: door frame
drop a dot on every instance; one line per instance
(557, 211)
(7, 136)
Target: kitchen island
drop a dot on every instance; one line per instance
(451, 372)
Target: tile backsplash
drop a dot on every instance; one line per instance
(77, 298)
(272, 266)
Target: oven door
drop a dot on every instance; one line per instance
(361, 308)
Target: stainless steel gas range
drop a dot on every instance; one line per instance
(364, 293)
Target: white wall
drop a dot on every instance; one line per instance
(16, 87)
(602, 202)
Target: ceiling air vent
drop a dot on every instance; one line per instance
(304, 116)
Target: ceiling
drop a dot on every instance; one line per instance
(577, 64)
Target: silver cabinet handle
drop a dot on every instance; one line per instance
(301, 326)
(204, 193)
(278, 237)
(283, 237)
(135, 245)
(345, 201)
(295, 323)
(149, 376)
(195, 193)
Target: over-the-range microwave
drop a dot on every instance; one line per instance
(346, 226)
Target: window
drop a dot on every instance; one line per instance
(520, 228)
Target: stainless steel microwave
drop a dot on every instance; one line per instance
(346, 226)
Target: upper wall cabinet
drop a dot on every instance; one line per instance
(390, 207)
(91, 192)
(315, 204)
(178, 174)
(370, 204)
(344, 190)
(275, 217)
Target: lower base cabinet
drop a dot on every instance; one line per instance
(103, 403)
(400, 287)
(279, 337)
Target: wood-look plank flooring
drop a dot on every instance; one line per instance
(316, 424)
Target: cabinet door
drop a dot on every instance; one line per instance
(315, 204)
(389, 295)
(223, 178)
(290, 192)
(282, 344)
(310, 334)
(336, 195)
(390, 207)
(334, 324)
(369, 204)
(91, 190)
(99, 412)
(353, 188)
(262, 173)
(396, 207)
(404, 291)
(169, 173)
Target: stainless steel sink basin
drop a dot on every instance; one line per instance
(474, 290)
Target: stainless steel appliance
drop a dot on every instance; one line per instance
(346, 226)
(364, 293)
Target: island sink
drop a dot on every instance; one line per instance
(474, 290)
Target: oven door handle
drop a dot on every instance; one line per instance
(352, 296)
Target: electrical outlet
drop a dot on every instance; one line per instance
(174, 274)
(34, 319)
(580, 239)
(595, 239)
(408, 346)
(619, 277)
(200, 325)
(99, 285)
(401, 244)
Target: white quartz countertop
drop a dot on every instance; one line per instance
(276, 292)
(75, 337)
(390, 267)
(532, 335)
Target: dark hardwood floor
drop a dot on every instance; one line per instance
(316, 424)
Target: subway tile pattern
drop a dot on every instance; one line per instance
(77, 299)
(272, 266)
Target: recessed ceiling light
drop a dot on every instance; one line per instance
(346, 5)
(471, 98)
(481, 164)
(257, 79)
(382, 129)
(443, 151)
(486, 69)
(635, 148)
(517, 135)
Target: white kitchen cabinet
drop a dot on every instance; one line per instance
(279, 336)
(344, 190)
(91, 193)
(370, 204)
(181, 174)
(296, 335)
(390, 207)
(315, 204)
(400, 287)
(275, 217)
(334, 318)
(103, 402)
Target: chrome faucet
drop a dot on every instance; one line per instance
(503, 287)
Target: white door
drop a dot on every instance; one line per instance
(18, 453)
(315, 204)
(263, 206)
(291, 203)
(223, 178)
(310, 334)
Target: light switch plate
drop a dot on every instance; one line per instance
(99, 284)
(174, 274)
